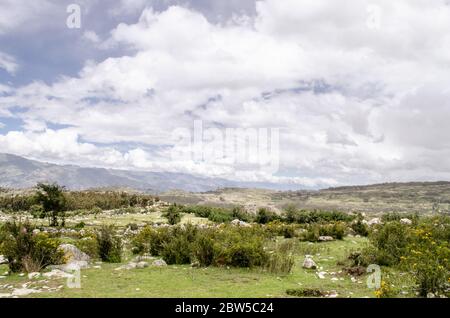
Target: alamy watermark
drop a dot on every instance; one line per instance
(374, 279)
(242, 148)
(74, 19)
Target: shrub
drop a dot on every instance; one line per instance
(177, 251)
(96, 210)
(173, 215)
(80, 225)
(88, 245)
(205, 249)
(305, 292)
(428, 260)
(390, 241)
(360, 228)
(26, 251)
(37, 211)
(265, 216)
(109, 245)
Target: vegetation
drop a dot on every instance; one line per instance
(109, 244)
(53, 202)
(27, 250)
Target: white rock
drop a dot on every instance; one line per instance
(405, 221)
(335, 279)
(326, 238)
(159, 263)
(321, 275)
(34, 275)
(58, 274)
(5, 295)
(72, 253)
(374, 221)
(24, 292)
(142, 265)
(309, 263)
(3, 260)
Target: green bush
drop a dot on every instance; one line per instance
(360, 228)
(428, 260)
(391, 241)
(109, 245)
(265, 216)
(173, 215)
(26, 251)
(227, 245)
(37, 211)
(88, 245)
(292, 215)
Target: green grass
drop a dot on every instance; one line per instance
(184, 281)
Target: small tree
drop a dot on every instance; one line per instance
(173, 215)
(53, 201)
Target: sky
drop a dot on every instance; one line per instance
(349, 92)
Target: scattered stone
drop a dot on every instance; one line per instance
(21, 274)
(73, 254)
(430, 295)
(335, 279)
(321, 275)
(142, 265)
(374, 221)
(5, 295)
(97, 267)
(24, 292)
(309, 263)
(130, 265)
(159, 263)
(34, 275)
(405, 221)
(57, 273)
(1, 277)
(237, 222)
(326, 238)
(36, 231)
(3, 260)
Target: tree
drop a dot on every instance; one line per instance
(173, 215)
(53, 201)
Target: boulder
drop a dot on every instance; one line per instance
(142, 265)
(159, 263)
(326, 238)
(309, 263)
(3, 260)
(237, 222)
(130, 265)
(73, 254)
(405, 221)
(24, 292)
(57, 273)
(374, 221)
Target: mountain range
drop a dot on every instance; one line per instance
(18, 172)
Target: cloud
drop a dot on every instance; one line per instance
(354, 104)
(8, 63)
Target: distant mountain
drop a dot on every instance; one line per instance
(18, 172)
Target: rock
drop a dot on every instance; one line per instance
(3, 260)
(159, 263)
(326, 238)
(130, 265)
(72, 253)
(36, 231)
(24, 292)
(309, 263)
(34, 275)
(321, 275)
(142, 265)
(405, 221)
(430, 295)
(57, 273)
(142, 258)
(5, 295)
(335, 279)
(237, 222)
(374, 221)
(74, 266)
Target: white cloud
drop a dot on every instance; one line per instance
(8, 63)
(354, 104)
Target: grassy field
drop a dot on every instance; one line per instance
(185, 281)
